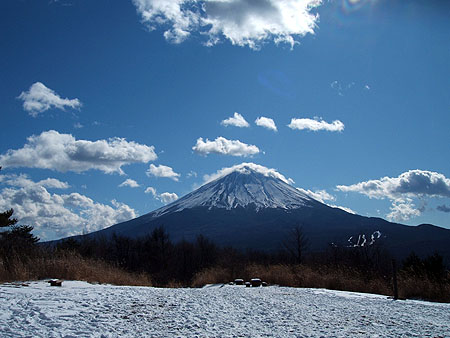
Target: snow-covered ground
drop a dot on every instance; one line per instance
(79, 309)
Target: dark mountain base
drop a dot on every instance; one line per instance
(268, 229)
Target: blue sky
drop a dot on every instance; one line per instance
(95, 93)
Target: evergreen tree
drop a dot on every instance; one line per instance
(16, 243)
(6, 220)
(16, 233)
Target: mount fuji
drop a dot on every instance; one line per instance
(252, 207)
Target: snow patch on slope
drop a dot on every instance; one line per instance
(362, 240)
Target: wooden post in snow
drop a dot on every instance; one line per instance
(394, 279)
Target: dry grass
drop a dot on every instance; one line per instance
(305, 276)
(213, 275)
(329, 278)
(70, 266)
(414, 287)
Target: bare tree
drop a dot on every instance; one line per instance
(296, 243)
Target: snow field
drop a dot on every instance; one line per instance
(79, 309)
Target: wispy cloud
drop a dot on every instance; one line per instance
(58, 215)
(129, 183)
(342, 88)
(402, 190)
(242, 22)
(236, 120)
(192, 174)
(62, 152)
(151, 190)
(39, 98)
(162, 171)
(266, 122)
(315, 125)
(443, 208)
(223, 146)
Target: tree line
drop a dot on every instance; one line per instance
(179, 264)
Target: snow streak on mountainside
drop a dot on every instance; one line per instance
(246, 186)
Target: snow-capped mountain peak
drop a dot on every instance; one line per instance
(247, 168)
(245, 186)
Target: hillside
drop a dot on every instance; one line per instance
(252, 208)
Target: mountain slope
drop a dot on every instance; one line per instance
(253, 208)
(242, 188)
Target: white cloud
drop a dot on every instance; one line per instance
(411, 184)
(237, 120)
(58, 215)
(224, 147)
(315, 125)
(402, 189)
(242, 22)
(129, 183)
(53, 183)
(23, 180)
(244, 167)
(162, 171)
(318, 195)
(39, 98)
(347, 209)
(323, 196)
(62, 152)
(78, 125)
(402, 210)
(266, 122)
(165, 197)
